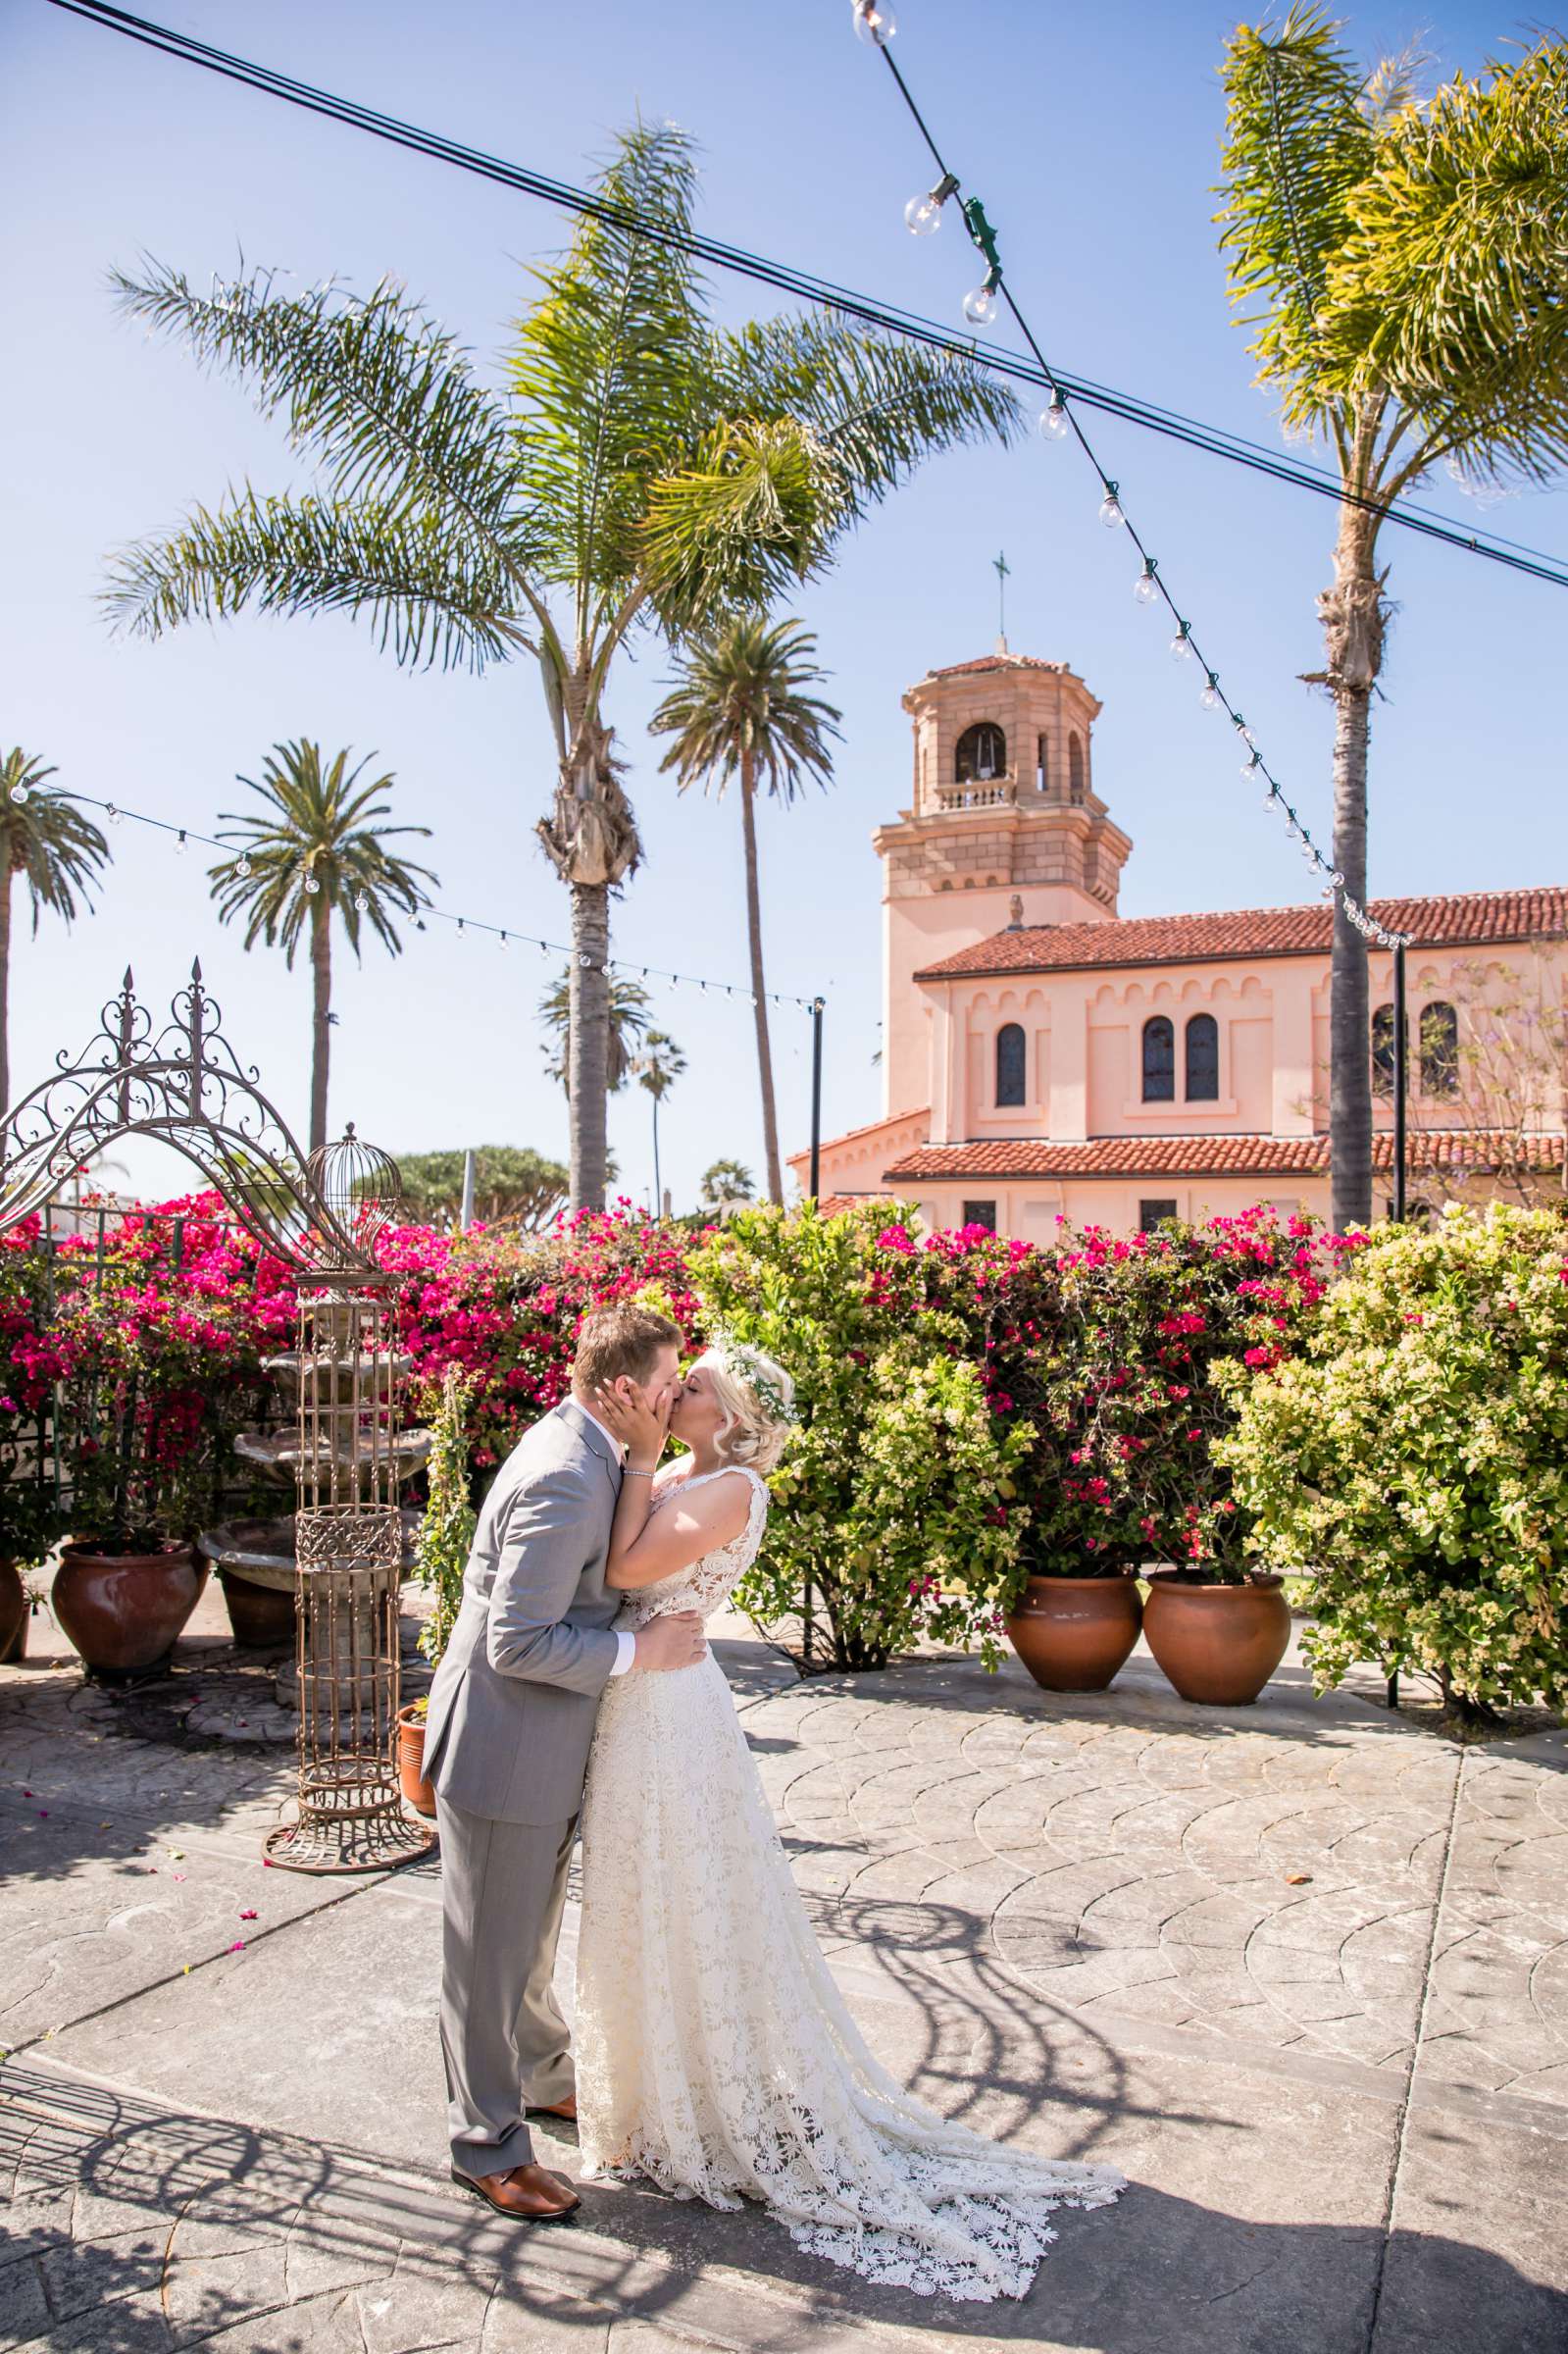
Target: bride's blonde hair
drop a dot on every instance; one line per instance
(756, 1398)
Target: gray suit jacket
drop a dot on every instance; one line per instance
(514, 1696)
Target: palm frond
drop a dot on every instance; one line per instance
(877, 406)
(375, 392)
(1448, 290)
(605, 372)
(429, 599)
(1299, 142)
(47, 841)
(750, 517)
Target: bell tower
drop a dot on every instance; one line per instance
(1005, 829)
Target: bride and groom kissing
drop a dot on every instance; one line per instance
(714, 2056)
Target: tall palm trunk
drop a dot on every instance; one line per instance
(658, 1186)
(321, 966)
(5, 988)
(759, 993)
(591, 840)
(1352, 614)
(589, 1041)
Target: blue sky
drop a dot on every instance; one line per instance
(1091, 134)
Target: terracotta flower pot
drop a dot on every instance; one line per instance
(1074, 1633)
(13, 1616)
(418, 1792)
(263, 1617)
(1217, 1644)
(123, 1610)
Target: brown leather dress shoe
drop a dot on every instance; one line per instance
(567, 2109)
(528, 2194)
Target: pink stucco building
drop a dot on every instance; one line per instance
(1044, 1057)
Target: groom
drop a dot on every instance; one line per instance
(507, 1739)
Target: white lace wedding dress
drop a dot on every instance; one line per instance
(715, 2056)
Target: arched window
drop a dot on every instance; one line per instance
(1159, 1060)
(1043, 765)
(981, 754)
(1383, 1051)
(1075, 768)
(1440, 1049)
(1010, 1065)
(1203, 1059)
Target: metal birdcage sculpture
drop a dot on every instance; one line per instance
(184, 1085)
(348, 1531)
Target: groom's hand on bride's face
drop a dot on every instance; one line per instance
(676, 1641)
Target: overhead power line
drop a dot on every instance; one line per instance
(804, 287)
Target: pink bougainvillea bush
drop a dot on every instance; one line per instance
(506, 1309)
(973, 1408)
(148, 1344)
(144, 1346)
(1107, 1344)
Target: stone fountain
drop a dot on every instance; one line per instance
(255, 1558)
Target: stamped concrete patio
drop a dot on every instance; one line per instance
(1300, 1970)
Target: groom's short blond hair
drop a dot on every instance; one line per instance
(620, 1344)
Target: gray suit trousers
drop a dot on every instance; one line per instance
(503, 2039)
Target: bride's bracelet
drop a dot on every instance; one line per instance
(631, 1471)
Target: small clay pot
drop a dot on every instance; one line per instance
(263, 1617)
(1074, 1634)
(14, 1615)
(123, 1610)
(1217, 1644)
(418, 1792)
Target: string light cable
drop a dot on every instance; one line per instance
(876, 24)
(1150, 416)
(505, 936)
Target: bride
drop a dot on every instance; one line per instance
(716, 2057)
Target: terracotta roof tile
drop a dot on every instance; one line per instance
(1457, 920)
(955, 670)
(1218, 1155)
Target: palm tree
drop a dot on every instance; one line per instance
(741, 709)
(314, 852)
(627, 1004)
(1400, 262)
(45, 839)
(727, 1181)
(658, 1067)
(639, 470)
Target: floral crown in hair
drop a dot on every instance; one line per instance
(740, 1361)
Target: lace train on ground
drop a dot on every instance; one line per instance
(715, 2055)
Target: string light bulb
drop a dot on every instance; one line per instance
(1209, 700)
(923, 215)
(979, 303)
(1252, 770)
(112, 813)
(313, 884)
(875, 23)
(181, 846)
(1111, 509)
(1181, 643)
(1053, 419)
(1145, 588)
(20, 793)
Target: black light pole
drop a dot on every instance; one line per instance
(817, 1005)
(1402, 1080)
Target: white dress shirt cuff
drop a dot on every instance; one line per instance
(626, 1651)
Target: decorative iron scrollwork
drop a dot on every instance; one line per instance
(186, 1087)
